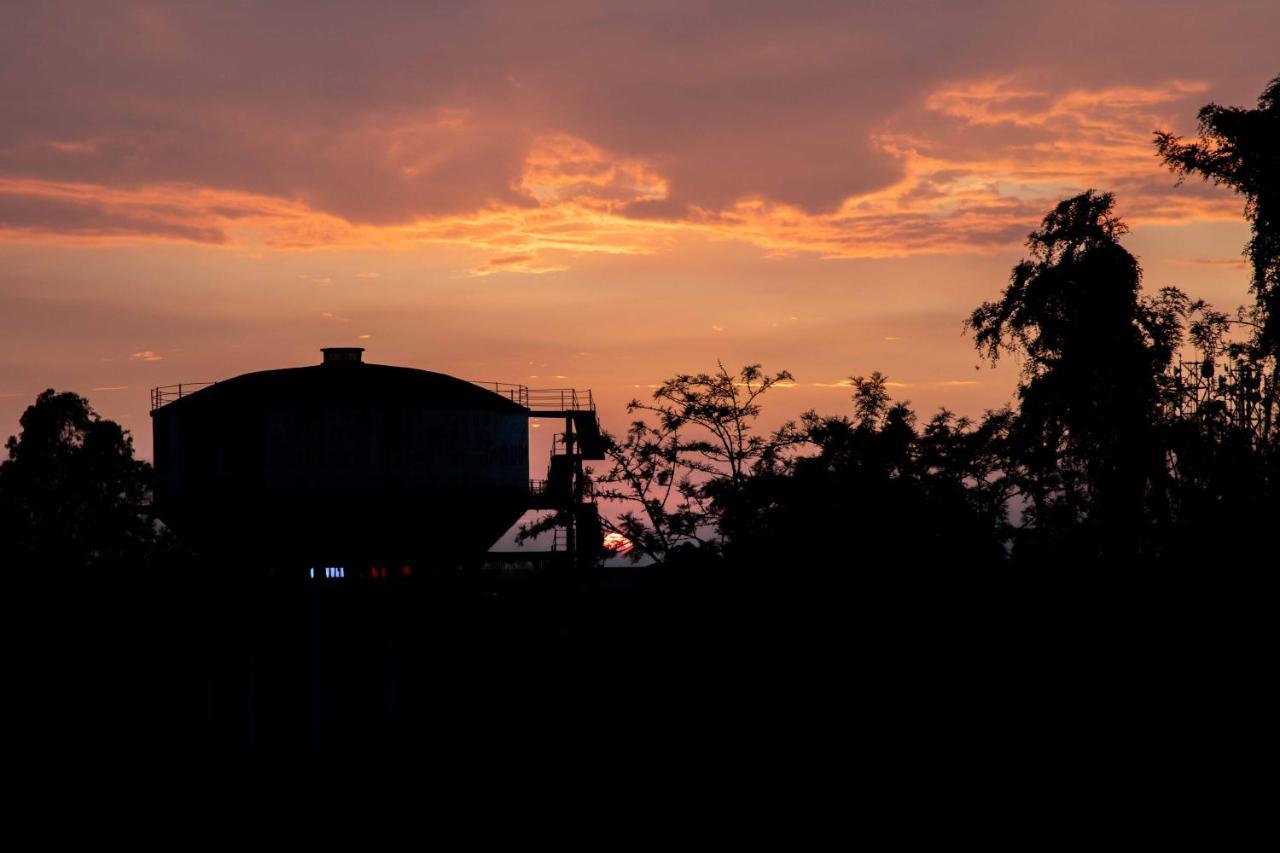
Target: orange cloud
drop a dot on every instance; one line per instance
(960, 195)
(562, 168)
(979, 163)
(997, 101)
(84, 212)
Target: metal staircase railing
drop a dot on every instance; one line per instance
(546, 399)
(561, 400)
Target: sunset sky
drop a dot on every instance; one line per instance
(594, 195)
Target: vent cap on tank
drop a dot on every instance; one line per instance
(336, 356)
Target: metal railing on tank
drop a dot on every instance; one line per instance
(518, 394)
(166, 394)
(547, 399)
(561, 400)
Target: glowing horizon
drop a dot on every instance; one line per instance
(581, 196)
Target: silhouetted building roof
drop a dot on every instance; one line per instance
(352, 383)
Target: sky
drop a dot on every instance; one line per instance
(591, 195)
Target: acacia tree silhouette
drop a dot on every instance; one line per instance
(651, 472)
(1083, 443)
(682, 471)
(71, 492)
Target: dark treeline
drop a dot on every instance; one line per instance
(1143, 435)
(1117, 518)
(1128, 495)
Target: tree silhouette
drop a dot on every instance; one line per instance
(879, 495)
(1225, 476)
(652, 471)
(725, 407)
(71, 492)
(682, 471)
(1240, 148)
(1093, 350)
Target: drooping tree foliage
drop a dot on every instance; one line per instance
(1083, 445)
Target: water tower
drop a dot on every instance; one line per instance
(350, 464)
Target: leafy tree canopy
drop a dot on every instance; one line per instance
(71, 491)
(1240, 148)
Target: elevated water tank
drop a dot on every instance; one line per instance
(341, 461)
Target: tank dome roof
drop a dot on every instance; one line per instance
(351, 383)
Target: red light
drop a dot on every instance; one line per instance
(405, 571)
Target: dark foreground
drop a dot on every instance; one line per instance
(186, 685)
